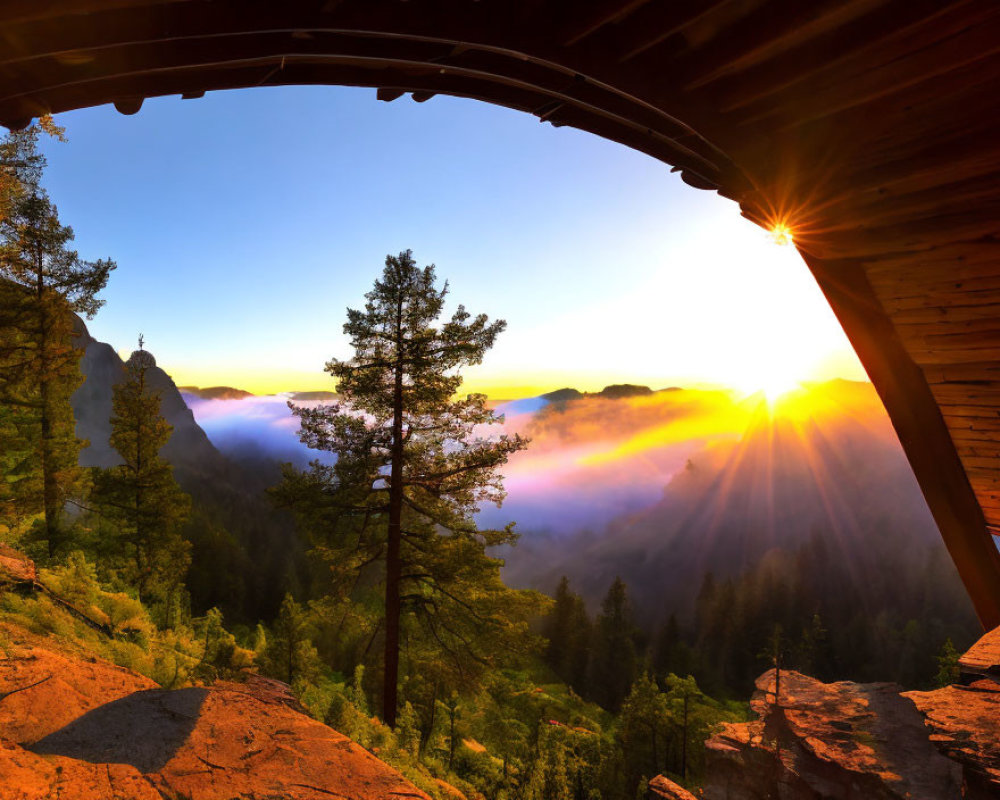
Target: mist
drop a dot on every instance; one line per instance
(254, 428)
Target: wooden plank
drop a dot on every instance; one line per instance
(828, 52)
(773, 30)
(957, 345)
(977, 462)
(948, 394)
(984, 427)
(952, 312)
(981, 277)
(956, 257)
(963, 373)
(969, 35)
(588, 21)
(970, 436)
(885, 207)
(658, 22)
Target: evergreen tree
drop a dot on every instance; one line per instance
(614, 660)
(948, 669)
(642, 729)
(567, 629)
(693, 714)
(42, 282)
(411, 470)
(290, 653)
(140, 495)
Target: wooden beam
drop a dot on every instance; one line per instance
(921, 429)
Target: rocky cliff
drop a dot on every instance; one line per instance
(189, 449)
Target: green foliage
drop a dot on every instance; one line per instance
(567, 630)
(290, 654)
(42, 282)
(948, 671)
(614, 656)
(221, 656)
(168, 657)
(140, 496)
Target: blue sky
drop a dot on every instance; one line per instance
(244, 223)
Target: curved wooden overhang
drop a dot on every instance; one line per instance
(870, 127)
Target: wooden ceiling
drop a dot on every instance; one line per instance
(870, 127)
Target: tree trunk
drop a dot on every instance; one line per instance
(656, 759)
(452, 712)
(140, 566)
(426, 736)
(50, 488)
(684, 742)
(393, 564)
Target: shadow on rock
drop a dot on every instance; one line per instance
(144, 729)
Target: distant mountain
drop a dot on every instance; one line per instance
(562, 395)
(616, 391)
(215, 392)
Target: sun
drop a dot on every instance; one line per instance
(781, 234)
(777, 386)
(771, 380)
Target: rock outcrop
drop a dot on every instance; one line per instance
(78, 728)
(15, 567)
(662, 788)
(854, 741)
(982, 660)
(965, 725)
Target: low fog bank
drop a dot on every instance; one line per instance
(664, 487)
(253, 429)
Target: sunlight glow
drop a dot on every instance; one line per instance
(781, 234)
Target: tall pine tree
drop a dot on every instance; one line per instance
(567, 629)
(42, 282)
(140, 495)
(614, 660)
(412, 468)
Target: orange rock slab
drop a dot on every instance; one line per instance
(79, 728)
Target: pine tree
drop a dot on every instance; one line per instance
(642, 725)
(290, 652)
(42, 282)
(687, 703)
(141, 495)
(670, 652)
(614, 659)
(567, 629)
(948, 667)
(411, 470)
